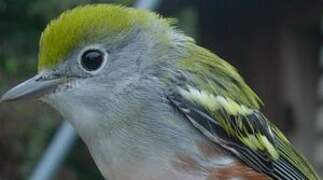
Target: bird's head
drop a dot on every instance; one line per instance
(91, 51)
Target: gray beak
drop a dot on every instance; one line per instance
(33, 88)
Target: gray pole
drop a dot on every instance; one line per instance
(147, 4)
(55, 153)
(66, 136)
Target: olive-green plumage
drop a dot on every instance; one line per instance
(217, 77)
(84, 25)
(214, 86)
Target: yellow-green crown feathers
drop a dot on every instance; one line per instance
(88, 24)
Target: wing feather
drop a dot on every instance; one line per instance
(216, 100)
(231, 137)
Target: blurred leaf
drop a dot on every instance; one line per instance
(11, 66)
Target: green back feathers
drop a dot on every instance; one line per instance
(216, 76)
(223, 107)
(89, 24)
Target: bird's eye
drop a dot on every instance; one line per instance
(92, 60)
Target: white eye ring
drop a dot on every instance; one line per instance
(92, 59)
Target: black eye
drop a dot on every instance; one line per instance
(92, 60)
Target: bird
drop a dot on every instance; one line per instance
(152, 104)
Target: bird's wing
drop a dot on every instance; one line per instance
(219, 104)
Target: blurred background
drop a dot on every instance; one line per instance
(276, 45)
